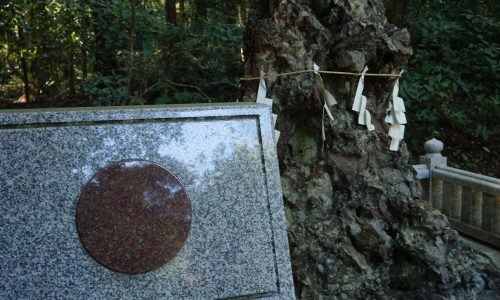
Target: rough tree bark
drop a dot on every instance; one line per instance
(357, 228)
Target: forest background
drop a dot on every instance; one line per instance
(64, 53)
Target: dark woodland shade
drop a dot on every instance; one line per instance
(133, 216)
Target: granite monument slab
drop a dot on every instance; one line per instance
(165, 202)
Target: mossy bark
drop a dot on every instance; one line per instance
(357, 226)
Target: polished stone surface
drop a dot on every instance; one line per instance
(225, 156)
(133, 216)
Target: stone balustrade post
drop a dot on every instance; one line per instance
(495, 226)
(476, 209)
(431, 159)
(456, 201)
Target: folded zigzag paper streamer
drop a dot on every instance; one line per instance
(328, 100)
(261, 98)
(396, 116)
(360, 102)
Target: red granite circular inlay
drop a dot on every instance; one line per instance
(133, 216)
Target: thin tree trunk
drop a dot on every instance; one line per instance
(170, 12)
(84, 49)
(131, 39)
(243, 9)
(230, 12)
(85, 62)
(71, 69)
(38, 68)
(71, 55)
(5, 60)
(24, 65)
(182, 12)
(200, 9)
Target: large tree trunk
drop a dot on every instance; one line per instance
(357, 228)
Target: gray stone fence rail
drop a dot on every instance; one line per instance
(470, 201)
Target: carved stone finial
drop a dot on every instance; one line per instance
(434, 147)
(433, 156)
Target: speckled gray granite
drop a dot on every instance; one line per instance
(224, 154)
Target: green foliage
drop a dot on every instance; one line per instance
(206, 55)
(40, 41)
(179, 98)
(453, 84)
(110, 90)
(61, 48)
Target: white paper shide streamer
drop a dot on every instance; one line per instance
(328, 101)
(396, 116)
(261, 98)
(359, 104)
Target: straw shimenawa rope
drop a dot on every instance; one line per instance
(248, 78)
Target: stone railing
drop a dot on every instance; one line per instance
(470, 201)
